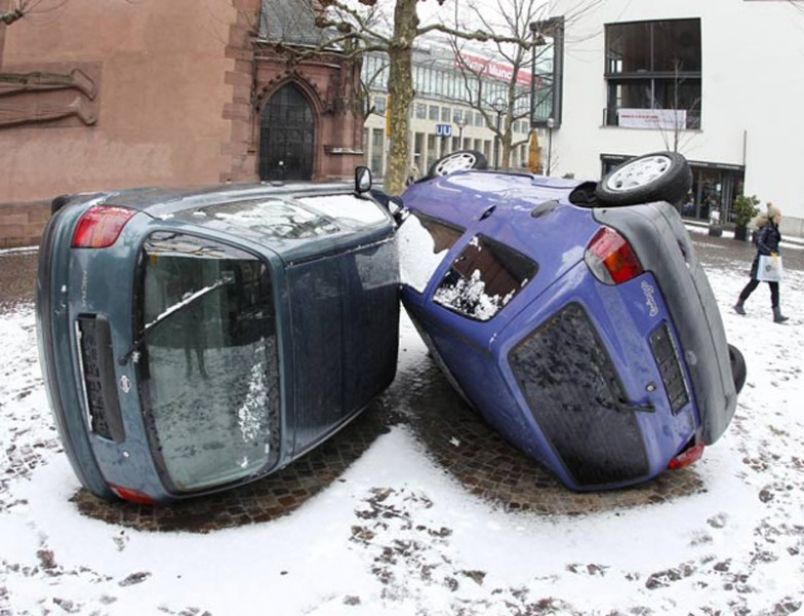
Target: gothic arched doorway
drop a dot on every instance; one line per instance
(287, 131)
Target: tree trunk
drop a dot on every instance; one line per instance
(506, 140)
(400, 88)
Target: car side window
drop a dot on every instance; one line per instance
(484, 278)
(423, 243)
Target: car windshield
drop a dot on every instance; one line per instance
(210, 374)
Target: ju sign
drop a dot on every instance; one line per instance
(443, 130)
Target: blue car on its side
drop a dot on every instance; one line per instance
(575, 318)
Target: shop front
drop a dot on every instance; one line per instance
(715, 186)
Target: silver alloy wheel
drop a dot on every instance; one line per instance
(460, 161)
(640, 173)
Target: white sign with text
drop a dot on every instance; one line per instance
(665, 119)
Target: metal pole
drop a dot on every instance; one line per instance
(497, 143)
(550, 124)
(533, 76)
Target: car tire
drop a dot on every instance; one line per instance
(461, 160)
(661, 176)
(738, 369)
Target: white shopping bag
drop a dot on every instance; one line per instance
(770, 268)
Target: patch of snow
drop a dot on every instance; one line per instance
(23, 250)
(396, 535)
(418, 259)
(273, 217)
(348, 207)
(251, 412)
(469, 297)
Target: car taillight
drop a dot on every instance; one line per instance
(611, 258)
(686, 457)
(132, 496)
(100, 226)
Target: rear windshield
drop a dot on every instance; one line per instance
(210, 360)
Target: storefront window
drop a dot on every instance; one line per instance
(714, 188)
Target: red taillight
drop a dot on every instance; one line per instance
(132, 496)
(100, 226)
(611, 258)
(686, 457)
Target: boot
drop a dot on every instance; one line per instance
(738, 307)
(778, 317)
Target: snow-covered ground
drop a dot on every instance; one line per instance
(398, 535)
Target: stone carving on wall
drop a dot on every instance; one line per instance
(58, 95)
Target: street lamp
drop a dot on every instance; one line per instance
(538, 41)
(551, 124)
(499, 106)
(461, 121)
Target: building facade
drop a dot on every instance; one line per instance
(441, 118)
(107, 95)
(712, 80)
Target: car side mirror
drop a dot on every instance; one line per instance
(362, 179)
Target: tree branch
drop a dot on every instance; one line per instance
(478, 35)
(9, 17)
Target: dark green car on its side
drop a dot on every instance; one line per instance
(192, 341)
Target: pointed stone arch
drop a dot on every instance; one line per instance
(289, 131)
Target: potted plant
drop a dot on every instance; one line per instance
(745, 208)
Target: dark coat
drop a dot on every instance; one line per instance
(768, 239)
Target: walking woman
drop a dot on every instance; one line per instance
(768, 239)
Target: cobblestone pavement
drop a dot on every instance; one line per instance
(17, 276)
(454, 436)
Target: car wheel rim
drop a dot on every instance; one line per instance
(460, 161)
(638, 173)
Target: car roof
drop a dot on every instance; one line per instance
(297, 221)
(464, 196)
(161, 201)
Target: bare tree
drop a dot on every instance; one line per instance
(366, 84)
(676, 137)
(396, 40)
(511, 102)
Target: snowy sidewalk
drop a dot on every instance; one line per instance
(399, 531)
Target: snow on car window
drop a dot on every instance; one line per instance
(484, 278)
(423, 243)
(346, 207)
(274, 217)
